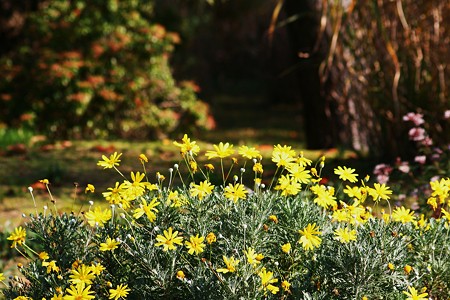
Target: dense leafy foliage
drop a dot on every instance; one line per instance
(92, 68)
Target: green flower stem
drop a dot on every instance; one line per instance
(223, 173)
(188, 167)
(28, 247)
(120, 173)
(21, 253)
(34, 200)
(218, 277)
(145, 170)
(274, 177)
(228, 174)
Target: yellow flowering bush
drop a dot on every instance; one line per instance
(236, 235)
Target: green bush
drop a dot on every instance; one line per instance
(10, 136)
(290, 236)
(96, 68)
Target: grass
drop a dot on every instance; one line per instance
(66, 168)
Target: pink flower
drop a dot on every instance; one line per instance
(427, 141)
(382, 179)
(447, 114)
(415, 206)
(416, 134)
(421, 159)
(434, 178)
(404, 167)
(382, 169)
(438, 150)
(417, 119)
(435, 156)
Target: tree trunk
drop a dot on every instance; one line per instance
(303, 36)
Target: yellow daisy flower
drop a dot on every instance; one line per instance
(346, 174)
(288, 185)
(169, 240)
(201, 190)
(249, 152)
(345, 235)
(231, 264)
(309, 239)
(109, 245)
(113, 195)
(97, 268)
(18, 236)
(112, 161)
(187, 146)
(380, 191)
(235, 192)
(258, 168)
(51, 266)
(44, 181)
(89, 188)
(282, 159)
(286, 286)
(174, 199)
(303, 161)
(286, 248)
(121, 291)
(143, 158)
(324, 196)
(195, 244)
(209, 167)
(267, 279)
(79, 292)
(407, 269)
(252, 257)
(220, 151)
(43, 255)
(299, 173)
(404, 215)
(149, 210)
(83, 274)
(98, 217)
(211, 238)
(413, 294)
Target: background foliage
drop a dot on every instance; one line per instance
(349, 69)
(96, 68)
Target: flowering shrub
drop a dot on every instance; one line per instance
(103, 63)
(189, 236)
(421, 179)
